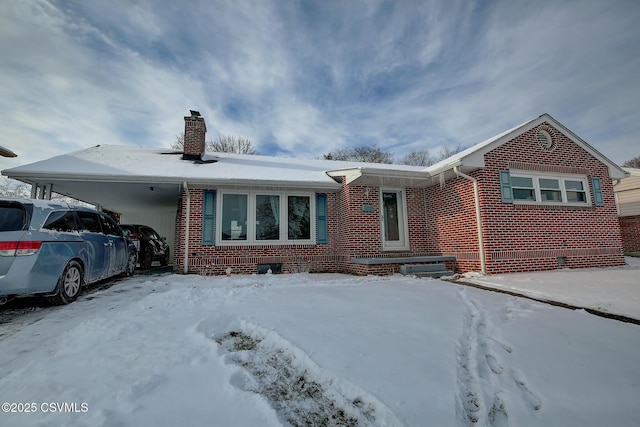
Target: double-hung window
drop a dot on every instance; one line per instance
(256, 217)
(526, 187)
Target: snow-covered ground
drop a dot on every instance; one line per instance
(614, 290)
(323, 349)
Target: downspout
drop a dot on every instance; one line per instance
(186, 231)
(476, 196)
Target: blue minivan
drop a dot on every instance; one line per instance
(55, 249)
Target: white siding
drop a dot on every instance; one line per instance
(163, 221)
(628, 193)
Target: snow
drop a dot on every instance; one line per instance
(136, 164)
(253, 350)
(614, 290)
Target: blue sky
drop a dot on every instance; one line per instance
(303, 78)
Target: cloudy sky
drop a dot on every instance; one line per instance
(302, 78)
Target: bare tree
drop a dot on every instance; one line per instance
(13, 188)
(20, 190)
(418, 158)
(224, 144)
(367, 153)
(424, 158)
(232, 144)
(633, 163)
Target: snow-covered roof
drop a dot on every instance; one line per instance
(120, 176)
(5, 152)
(473, 157)
(137, 164)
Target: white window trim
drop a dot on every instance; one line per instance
(386, 246)
(561, 179)
(251, 219)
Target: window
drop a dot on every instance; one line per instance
(550, 190)
(234, 217)
(265, 218)
(13, 217)
(89, 221)
(526, 187)
(523, 188)
(61, 221)
(299, 211)
(109, 226)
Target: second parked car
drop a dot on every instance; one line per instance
(151, 247)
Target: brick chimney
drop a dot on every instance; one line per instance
(194, 134)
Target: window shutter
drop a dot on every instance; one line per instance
(208, 217)
(505, 186)
(598, 200)
(321, 218)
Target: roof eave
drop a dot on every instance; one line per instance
(46, 177)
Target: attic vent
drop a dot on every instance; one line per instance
(545, 139)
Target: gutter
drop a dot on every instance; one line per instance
(187, 226)
(30, 178)
(476, 196)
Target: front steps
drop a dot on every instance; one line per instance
(425, 270)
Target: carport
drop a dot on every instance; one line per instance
(112, 178)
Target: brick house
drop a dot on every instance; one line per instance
(627, 193)
(535, 197)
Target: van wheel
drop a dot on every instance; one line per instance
(69, 284)
(131, 263)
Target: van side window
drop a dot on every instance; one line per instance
(61, 221)
(89, 221)
(109, 226)
(13, 217)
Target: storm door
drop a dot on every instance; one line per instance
(394, 219)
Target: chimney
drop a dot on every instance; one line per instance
(194, 133)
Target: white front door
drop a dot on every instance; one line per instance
(393, 207)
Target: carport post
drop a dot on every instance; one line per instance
(34, 191)
(186, 232)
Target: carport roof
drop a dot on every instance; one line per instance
(137, 164)
(122, 178)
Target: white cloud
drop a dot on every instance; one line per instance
(312, 76)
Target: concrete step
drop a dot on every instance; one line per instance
(434, 274)
(425, 270)
(421, 268)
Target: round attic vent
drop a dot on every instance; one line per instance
(545, 139)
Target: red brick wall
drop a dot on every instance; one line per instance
(209, 259)
(442, 221)
(526, 237)
(451, 222)
(360, 233)
(352, 233)
(630, 228)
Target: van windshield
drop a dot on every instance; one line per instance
(13, 216)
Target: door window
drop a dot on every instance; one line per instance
(394, 220)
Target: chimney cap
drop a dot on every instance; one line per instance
(194, 113)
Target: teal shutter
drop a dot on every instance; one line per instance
(208, 217)
(598, 200)
(321, 218)
(505, 186)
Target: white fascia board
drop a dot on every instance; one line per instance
(354, 174)
(49, 177)
(350, 175)
(473, 157)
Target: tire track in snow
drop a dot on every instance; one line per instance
(482, 379)
(300, 392)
